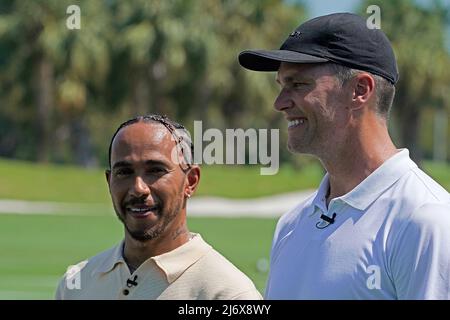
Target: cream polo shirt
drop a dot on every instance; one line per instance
(193, 271)
(390, 240)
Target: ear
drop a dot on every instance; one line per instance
(108, 176)
(193, 178)
(364, 89)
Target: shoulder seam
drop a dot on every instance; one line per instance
(425, 184)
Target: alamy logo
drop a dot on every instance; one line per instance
(231, 147)
(73, 278)
(74, 20)
(374, 20)
(374, 280)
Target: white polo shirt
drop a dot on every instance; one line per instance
(193, 271)
(390, 240)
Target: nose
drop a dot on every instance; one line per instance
(283, 101)
(140, 188)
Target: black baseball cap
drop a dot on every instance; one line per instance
(342, 38)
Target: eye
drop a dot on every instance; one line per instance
(298, 84)
(123, 172)
(157, 171)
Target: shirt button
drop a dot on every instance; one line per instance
(125, 292)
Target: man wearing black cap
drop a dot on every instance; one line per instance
(377, 227)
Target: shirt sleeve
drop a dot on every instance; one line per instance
(59, 294)
(420, 262)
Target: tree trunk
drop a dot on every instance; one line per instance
(440, 144)
(81, 145)
(158, 103)
(44, 97)
(409, 118)
(141, 94)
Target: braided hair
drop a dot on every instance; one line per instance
(179, 133)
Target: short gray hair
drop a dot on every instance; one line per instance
(385, 91)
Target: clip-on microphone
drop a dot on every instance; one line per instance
(327, 219)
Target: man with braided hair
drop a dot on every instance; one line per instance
(150, 179)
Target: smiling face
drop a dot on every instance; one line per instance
(147, 188)
(313, 102)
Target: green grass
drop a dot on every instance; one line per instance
(35, 182)
(36, 249)
(29, 181)
(439, 172)
(246, 182)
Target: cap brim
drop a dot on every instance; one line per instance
(269, 60)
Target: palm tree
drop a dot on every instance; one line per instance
(36, 41)
(51, 69)
(418, 37)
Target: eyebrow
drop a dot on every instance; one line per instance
(121, 164)
(291, 78)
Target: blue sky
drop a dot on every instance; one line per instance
(322, 7)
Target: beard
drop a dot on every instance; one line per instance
(166, 214)
(314, 141)
(152, 232)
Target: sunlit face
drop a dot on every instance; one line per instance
(312, 101)
(146, 186)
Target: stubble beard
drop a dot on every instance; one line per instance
(154, 231)
(314, 143)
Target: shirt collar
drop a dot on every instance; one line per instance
(114, 257)
(368, 190)
(378, 181)
(175, 262)
(319, 202)
(172, 263)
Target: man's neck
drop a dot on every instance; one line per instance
(352, 163)
(136, 252)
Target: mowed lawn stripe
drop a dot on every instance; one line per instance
(36, 249)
